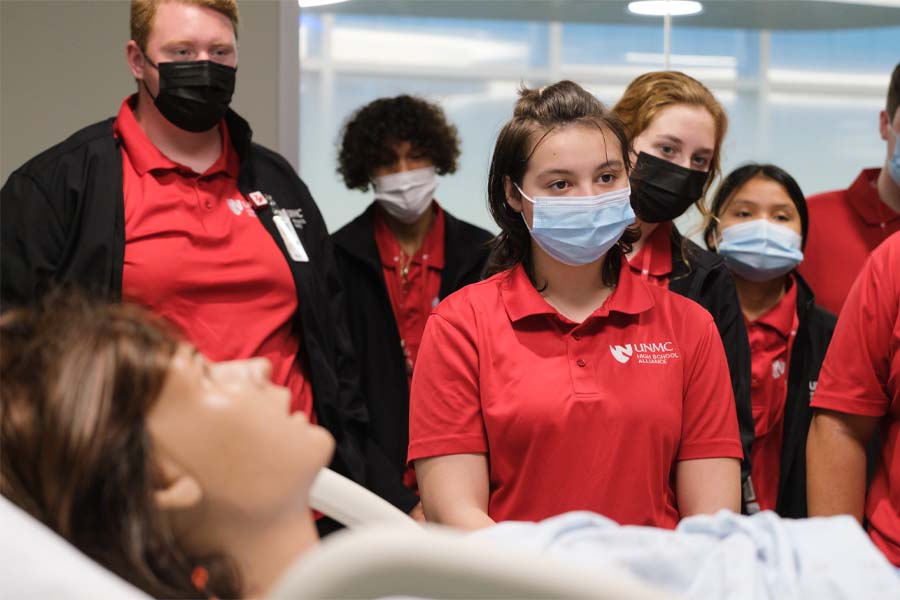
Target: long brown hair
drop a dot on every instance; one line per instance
(537, 113)
(78, 381)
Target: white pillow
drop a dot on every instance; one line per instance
(37, 563)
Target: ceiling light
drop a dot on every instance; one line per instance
(660, 8)
(311, 3)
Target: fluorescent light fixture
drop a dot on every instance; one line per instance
(660, 8)
(312, 3)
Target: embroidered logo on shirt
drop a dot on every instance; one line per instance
(778, 367)
(622, 353)
(240, 206)
(236, 205)
(654, 353)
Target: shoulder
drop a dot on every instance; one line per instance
(360, 225)
(826, 201)
(465, 231)
(467, 304)
(93, 140)
(822, 320)
(681, 310)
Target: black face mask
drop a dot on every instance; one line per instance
(193, 95)
(662, 191)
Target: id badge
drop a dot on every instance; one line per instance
(289, 237)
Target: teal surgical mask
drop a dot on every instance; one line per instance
(577, 230)
(760, 250)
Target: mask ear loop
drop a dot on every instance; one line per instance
(716, 232)
(144, 81)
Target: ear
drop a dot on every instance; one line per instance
(135, 59)
(175, 488)
(513, 199)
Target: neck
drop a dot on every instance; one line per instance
(410, 236)
(195, 150)
(263, 551)
(574, 291)
(757, 298)
(888, 189)
(646, 230)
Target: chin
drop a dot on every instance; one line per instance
(321, 445)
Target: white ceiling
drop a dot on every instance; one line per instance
(743, 14)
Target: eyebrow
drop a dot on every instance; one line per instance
(737, 201)
(610, 164)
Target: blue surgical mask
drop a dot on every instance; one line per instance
(760, 250)
(894, 164)
(577, 230)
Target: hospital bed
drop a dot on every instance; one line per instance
(383, 553)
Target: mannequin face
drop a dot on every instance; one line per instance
(577, 160)
(225, 427)
(761, 198)
(683, 134)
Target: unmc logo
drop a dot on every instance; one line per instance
(621, 353)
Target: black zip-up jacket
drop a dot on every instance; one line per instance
(814, 330)
(62, 223)
(702, 276)
(375, 334)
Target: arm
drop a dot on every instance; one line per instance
(708, 471)
(455, 490)
(31, 241)
(706, 485)
(836, 463)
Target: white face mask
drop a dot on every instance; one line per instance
(406, 195)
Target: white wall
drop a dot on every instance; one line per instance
(62, 66)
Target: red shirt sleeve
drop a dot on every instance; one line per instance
(445, 399)
(709, 426)
(857, 366)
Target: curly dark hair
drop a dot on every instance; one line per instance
(369, 134)
(537, 112)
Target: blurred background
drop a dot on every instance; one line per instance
(802, 80)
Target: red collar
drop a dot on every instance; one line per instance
(631, 296)
(145, 156)
(431, 252)
(781, 316)
(864, 198)
(655, 256)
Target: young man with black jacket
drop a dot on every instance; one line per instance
(170, 205)
(400, 257)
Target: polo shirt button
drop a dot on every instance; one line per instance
(576, 336)
(580, 362)
(208, 204)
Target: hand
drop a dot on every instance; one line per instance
(418, 513)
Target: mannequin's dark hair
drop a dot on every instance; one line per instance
(537, 113)
(736, 180)
(79, 379)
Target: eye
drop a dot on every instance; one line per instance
(742, 213)
(558, 185)
(667, 150)
(700, 161)
(607, 178)
(783, 218)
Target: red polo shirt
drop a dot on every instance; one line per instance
(861, 376)
(196, 253)
(574, 416)
(771, 338)
(413, 283)
(653, 261)
(844, 227)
